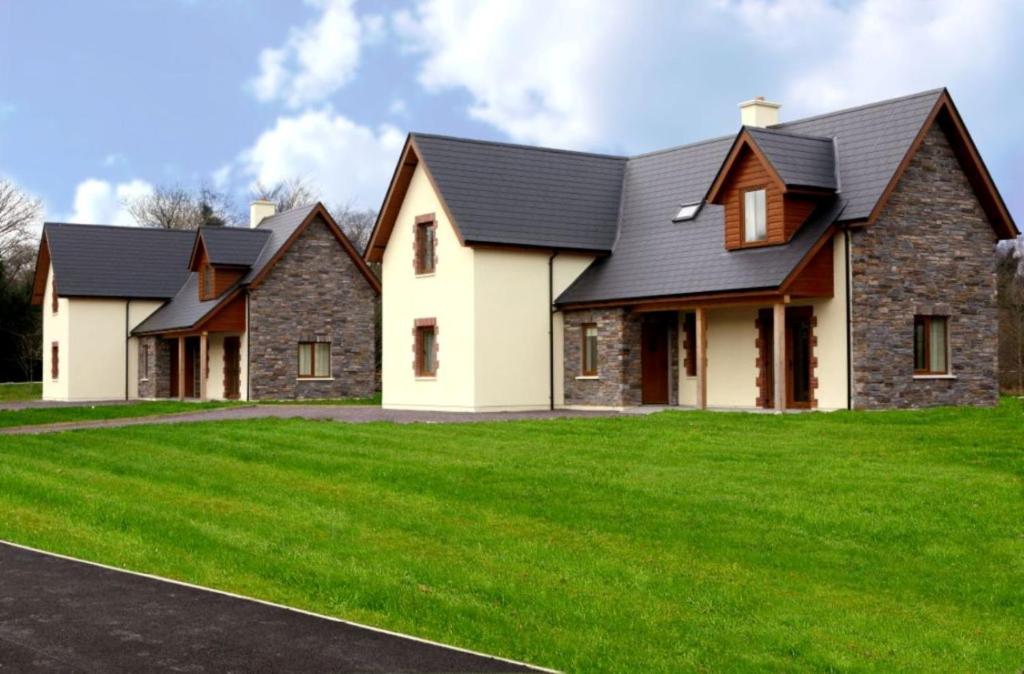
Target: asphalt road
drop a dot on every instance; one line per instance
(62, 615)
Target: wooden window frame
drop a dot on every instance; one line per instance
(55, 360)
(690, 344)
(419, 328)
(926, 320)
(584, 370)
(312, 360)
(743, 216)
(423, 224)
(54, 300)
(144, 365)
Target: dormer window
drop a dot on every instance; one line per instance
(755, 215)
(688, 211)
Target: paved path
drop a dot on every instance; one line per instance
(63, 615)
(346, 413)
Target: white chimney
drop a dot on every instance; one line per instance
(259, 210)
(759, 112)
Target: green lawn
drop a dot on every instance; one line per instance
(677, 542)
(19, 391)
(31, 416)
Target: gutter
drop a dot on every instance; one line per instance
(551, 330)
(248, 352)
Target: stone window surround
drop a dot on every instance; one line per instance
(417, 364)
(421, 222)
(144, 357)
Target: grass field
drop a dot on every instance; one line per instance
(677, 542)
(32, 416)
(20, 391)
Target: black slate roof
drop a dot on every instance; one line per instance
(235, 246)
(186, 309)
(532, 196)
(107, 261)
(654, 256)
(801, 161)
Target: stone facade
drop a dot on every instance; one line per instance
(314, 293)
(931, 252)
(618, 363)
(156, 381)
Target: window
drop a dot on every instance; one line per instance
(314, 360)
(54, 304)
(54, 360)
(754, 215)
(687, 212)
(144, 362)
(589, 350)
(931, 351)
(426, 242)
(426, 348)
(690, 336)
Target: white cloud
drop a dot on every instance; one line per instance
(535, 70)
(317, 59)
(349, 163)
(100, 202)
(877, 49)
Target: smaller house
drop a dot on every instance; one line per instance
(281, 310)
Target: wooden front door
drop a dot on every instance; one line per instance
(654, 362)
(798, 357)
(766, 357)
(232, 367)
(192, 367)
(174, 368)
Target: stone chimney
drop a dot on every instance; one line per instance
(259, 210)
(759, 112)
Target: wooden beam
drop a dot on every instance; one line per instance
(203, 373)
(702, 358)
(779, 354)
(181, 368)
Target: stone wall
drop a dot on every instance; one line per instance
(156, 382)
(314, 293)
(930, 252)
(618, 368)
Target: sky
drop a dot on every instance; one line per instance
(100, 101)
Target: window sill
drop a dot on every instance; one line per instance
(426, 274)
(426, 377)
(588, 377)
(314, 379)
(143, 381)
(934, 376)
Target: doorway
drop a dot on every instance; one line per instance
(232, 367)
(654, 357)
(798, 357)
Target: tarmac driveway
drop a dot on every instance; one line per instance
(63, 615)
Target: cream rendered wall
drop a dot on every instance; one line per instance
(512, 310)
(832, 333)
(215, 375)
(732, 358)
(446, 295)
(55, 329)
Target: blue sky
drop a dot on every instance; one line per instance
(101, 100)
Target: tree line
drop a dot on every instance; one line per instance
(167, 207)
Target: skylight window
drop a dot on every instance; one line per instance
(687, 211)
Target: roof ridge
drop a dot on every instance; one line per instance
(706, 141)
(138, 228)
(857, 108)
(787, 134)
(522, 146)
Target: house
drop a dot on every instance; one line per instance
(841, 261)
(284, 309)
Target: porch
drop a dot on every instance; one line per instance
(784, 354)
(193, 366)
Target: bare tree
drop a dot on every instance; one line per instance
(19, 212)
(176, 207)
(286, 194)
(356, 223)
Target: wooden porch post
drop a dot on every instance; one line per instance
(181, 368)
(203, 374)
(779, 373)
(702, 358)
